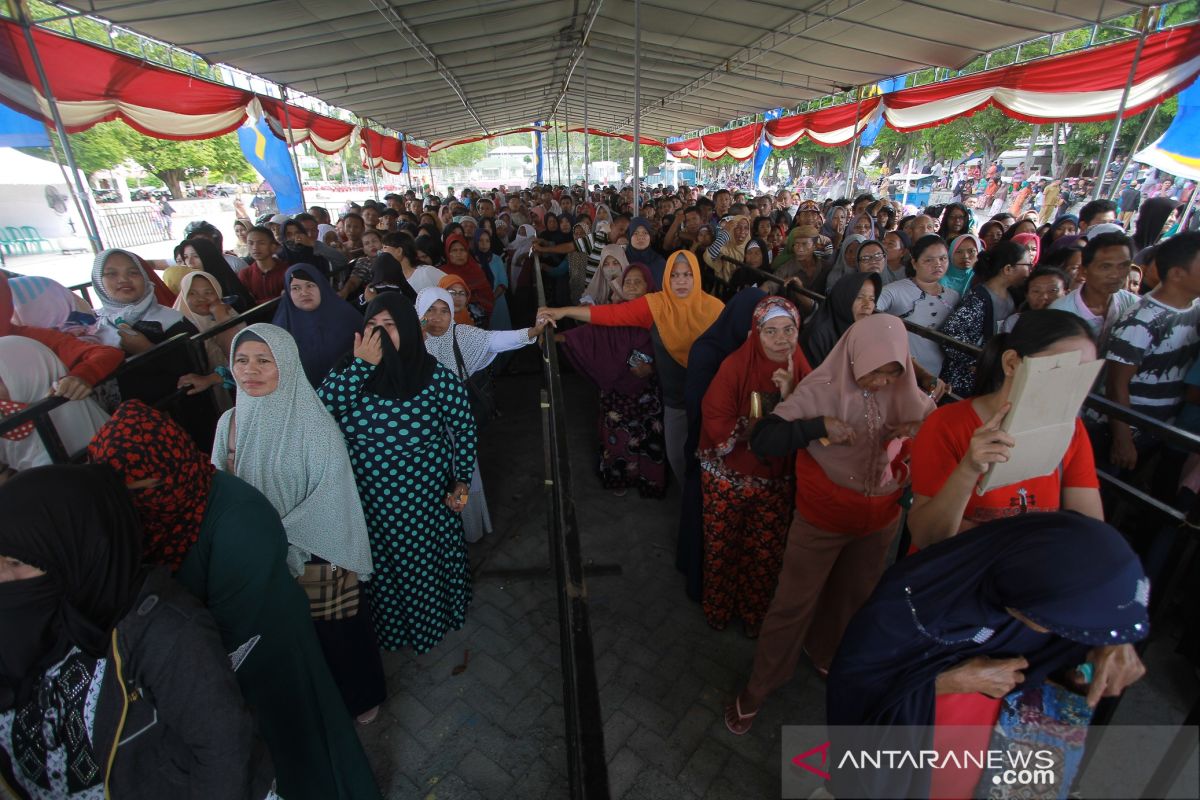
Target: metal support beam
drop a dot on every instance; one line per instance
(852, 172)
(793, 29)
(291, 145)
(401, 27)
(1147, 15)
(590, 15)
(89, 219)
(637, 105)
(567, 134)
(1137, 145)
(587, 137)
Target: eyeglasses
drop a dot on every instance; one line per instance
(456, 293)
(875, 259)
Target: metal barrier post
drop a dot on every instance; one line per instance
(587, 765)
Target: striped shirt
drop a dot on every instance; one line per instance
(1162, 342)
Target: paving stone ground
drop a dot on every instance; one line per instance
(495, 729)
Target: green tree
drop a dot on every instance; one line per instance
(112, 143)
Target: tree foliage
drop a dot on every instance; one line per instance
(110, 144)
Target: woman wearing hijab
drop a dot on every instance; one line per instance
(113, 680)
(863, 225)
(28, 372)
(282, 441)
(132, 319)
(398, 409)
(464, 350)
(846, 263)
(322, 323)
(620, 362)
(605, 286)
(722, 261)
(851, 299)
(460, 262)
(487, 253)
(42, 303)
(201, 303)
(747, 499)
(675, 318)
(456, 287)
(964, 252)
(956, 221)
(224, 542)
(202, 253)
(1152, 221)
(1032, 245)
(849, 422)
(1066, 225)
(988, 612)
(640, 250)
(87, 364)
(131, 316)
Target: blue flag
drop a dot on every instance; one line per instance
(537, 153)
(269, 156)
(867, 137)
(764, 150)
(18, 130)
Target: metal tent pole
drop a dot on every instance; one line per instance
(1137, 145)
(290, 141)
(637, 105)
(1116, 131)
(1187, 212)
(567, 124)
(407, 163)
(89, 219)
(587, 141)
(852, 180)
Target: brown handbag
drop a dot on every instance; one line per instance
(332, 591)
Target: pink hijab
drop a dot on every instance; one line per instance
(831, 390)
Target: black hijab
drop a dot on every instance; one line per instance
(79, 526)
(388, 272)
(947, 604)
(215, 264)
(405, 372)
(1151, 220)
(835, 315)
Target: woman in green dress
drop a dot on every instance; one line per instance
(397, 408)
(225, 543)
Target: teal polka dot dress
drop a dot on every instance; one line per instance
(404, 464)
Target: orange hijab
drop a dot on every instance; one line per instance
(462, 317)
(681, 320)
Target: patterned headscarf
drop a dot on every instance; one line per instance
(141, 442)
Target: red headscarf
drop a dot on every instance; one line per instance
(746, 370)
(140, 442)
(471, 273)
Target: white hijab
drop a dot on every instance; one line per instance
(147, 309)
(29, 369)
(289, 448)
(474, 344)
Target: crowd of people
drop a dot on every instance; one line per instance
(263, 513)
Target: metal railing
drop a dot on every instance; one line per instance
(587, 766)
(129, 227)
(191, 347)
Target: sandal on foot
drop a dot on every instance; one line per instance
(367, 717)
(742, 722)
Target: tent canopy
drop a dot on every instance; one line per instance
(456, 68)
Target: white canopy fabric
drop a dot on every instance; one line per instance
(18, 169)
(453, 68)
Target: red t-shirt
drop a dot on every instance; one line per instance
(834, 508)
(942, 442)
(264, 286)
